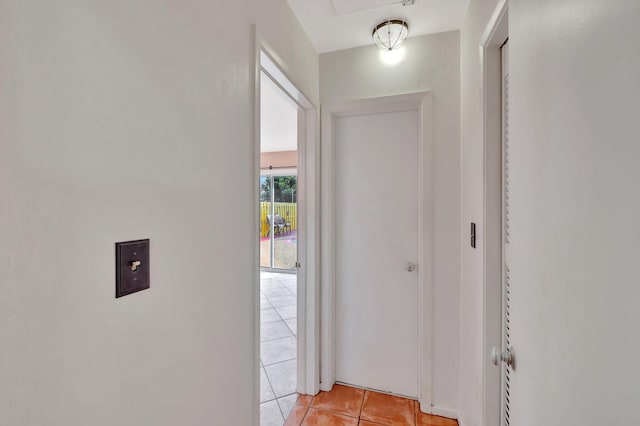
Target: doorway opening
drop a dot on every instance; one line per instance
(286, 209)
(278, 252)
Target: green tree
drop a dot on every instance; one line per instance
(285, 189)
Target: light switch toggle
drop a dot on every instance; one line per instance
(135, 264)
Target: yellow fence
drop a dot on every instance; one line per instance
(288, 211)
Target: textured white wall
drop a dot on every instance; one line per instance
(431, 63)
(575, 99)
(121, 120)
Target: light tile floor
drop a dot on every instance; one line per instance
(278, 347)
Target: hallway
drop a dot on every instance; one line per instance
(344, 405)
(451, 185)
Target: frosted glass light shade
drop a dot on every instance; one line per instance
(390, 34)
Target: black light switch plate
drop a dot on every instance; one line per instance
(132, 267)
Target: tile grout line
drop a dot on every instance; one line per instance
(279, 316)
(284, 418)
(276, 363)
(294, 334)
(276, 310)
(269, 322)
(288, 289)
(284, 290)
(413, 404)
(264, 366)
(270, 387)
(325, 410)
(306, 413)
(294, 404)
(361, 406)
(276, 297)
(278, 338)
(289, 306)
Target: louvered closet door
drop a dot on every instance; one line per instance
(506, 239)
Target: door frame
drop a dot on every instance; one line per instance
(422, 102)
(265, 59)
(491, 41)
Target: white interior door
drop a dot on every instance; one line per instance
(376, 244)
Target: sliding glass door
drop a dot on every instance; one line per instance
(278, 221)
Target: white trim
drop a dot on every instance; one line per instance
(327, 250)
(289, 171)
(274, 70)
(255, 255)
(494, 30)
(421, 101)
(493, 37)
(308, 227)
(444, 412)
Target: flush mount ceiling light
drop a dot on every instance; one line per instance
(390, 34)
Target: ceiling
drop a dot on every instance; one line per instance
(278, 119)
(341, 24)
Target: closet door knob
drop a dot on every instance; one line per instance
(497, 356)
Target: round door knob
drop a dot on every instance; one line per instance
(411, 267)
(497, 356)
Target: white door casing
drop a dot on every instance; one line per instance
(376, 245)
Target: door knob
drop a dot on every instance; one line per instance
(497, 356)
(411, 267)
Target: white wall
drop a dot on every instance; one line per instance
(431, 63)
(122, 120)
(575, 97)
(472, 175)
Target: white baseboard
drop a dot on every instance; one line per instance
(438, 411)
(444, 412)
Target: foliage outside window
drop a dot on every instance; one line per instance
(285, 189)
